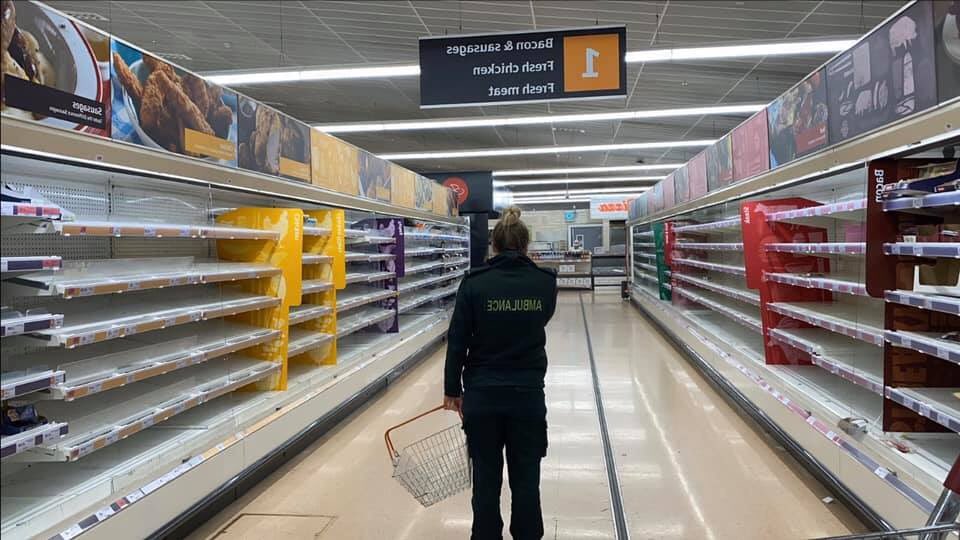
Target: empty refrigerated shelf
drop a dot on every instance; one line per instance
(30, 264)
(360, 296)
(715, 246)
(19, 383)
(311, 286)
(938, 404)
(827, 248)
(932, 343)
(933, 203)
(933, 302)
(41, 435)
(302, 340)
(307, 312)
(315, 258)
(723, 306)
(15, 323)
(716, 267)
(852, 210)
(730, 223)
(737, 293)
(949, 250)
(818, 282)
(408, 285)
(316, 231)
(856, 361)
(362, 318)
(368, 277)
(862, 324)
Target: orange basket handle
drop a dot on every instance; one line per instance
(386, 436)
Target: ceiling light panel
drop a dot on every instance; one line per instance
(589, 170)
(595, 180)
(585, 192)
(539, 150)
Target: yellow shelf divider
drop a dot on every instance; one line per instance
(284, 253)
(334, 246)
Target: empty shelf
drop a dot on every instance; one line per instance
(716, 267)
(15, 323)
(938, 404)
(717, 246)
(456, 249)
(359, 256)
(307, 312)
(363, 318)
(316, 231)
(949, 250)
(818, 282)
(846, 210)
(843, 319)
(718, 304)
(731, 223)
(161, 230)
(644, 244)
(423, 252)
(405, 286)
(648, 267)
(832, 248)
(311, 286)
(407, 304)
(28, 264)
(834, 353)
(423, 267)
(313, 258)
(41, 435)
(926, 204)
(368, 277)
(356, 297)
(933, 302)
(102, 319)
(33, 210)
(457, 261)
(106, 418)
(302, 341)
(926, 342)
(90, 278)
(725, 289)
(421, 235)
(19, 383)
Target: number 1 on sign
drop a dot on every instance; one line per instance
(591, 72)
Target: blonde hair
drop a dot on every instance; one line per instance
(510, 234)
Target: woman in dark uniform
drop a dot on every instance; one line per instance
(494, 374)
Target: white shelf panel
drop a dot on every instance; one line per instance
(302, 341)
(716, 246)
(41, 435)
(313, 258)
(423, 267)
(926, 342)
(361, 319)
(724, 224)
(110, 276)
(818, 282)
(112, 318)
(161, 230)
(104, 419)
(718, 304)
(846, 210)
(743, 295)
(436, 294)
(862, 324)
(15, 323)
(311, 286)
(368, 277)
(406, 285)
(307, 312)
(15, 384)
(142, 359)
(834, 353)
(933, 302)
(933, 203)
(938, 404)
(357, 296)
(30, 264)
(827, 248)
(716, 267)
(316, 231)
(948, 250)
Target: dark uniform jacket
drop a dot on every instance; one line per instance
(497, 336)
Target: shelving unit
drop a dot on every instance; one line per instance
(574, 268)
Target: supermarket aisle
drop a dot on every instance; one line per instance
(688, 466)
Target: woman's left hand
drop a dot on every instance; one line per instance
(453, 404)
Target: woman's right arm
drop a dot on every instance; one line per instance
(461, 325)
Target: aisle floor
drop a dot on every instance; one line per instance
(688, 465)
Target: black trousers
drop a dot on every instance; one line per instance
(514, 419)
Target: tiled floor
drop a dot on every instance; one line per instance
(689, 467)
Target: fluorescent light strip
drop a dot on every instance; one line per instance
(493, 121)
(598, 180)
(587, 170)
(550, 200)
(652, 55)
(491, 152)
(592, 191)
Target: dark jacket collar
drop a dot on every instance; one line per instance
(510, 258)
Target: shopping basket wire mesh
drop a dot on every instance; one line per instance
(435, 467)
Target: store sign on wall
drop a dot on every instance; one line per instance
(585, 63)
(610, 208)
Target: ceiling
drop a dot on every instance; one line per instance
(215, 35)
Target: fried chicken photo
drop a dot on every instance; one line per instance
(127, 78)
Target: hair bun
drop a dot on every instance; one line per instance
(511, 215)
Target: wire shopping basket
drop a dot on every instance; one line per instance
(435, 467)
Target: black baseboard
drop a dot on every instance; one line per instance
(867, 515)
(208, 507)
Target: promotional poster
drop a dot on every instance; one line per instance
(887, 76)
(797, 120)
(946, 35)
(160, 106)
(720, 164)
(294, 149)
(697, 175)
(258, 135)
(335, 163)
(424, 193)
(669, 191)
(404, 186)
(374, 177)
(55, 71)
(750, 151)
(681, 185)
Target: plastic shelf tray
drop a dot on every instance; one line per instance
(847, 210)
(830, 248)
(456, 249)
(368, 277)
(100, 421)
(716, 267)
(647, 277)
(842, 319)
(818, 282)
(718, 246)
(302, 341)
(644, 234)
(126, 316)
(731, 223)
(648, 267)
(420, 235)
(359, 256)
(316, 231)
(925, 342)
(39, 436)
(949, 250)
(310, 286)
(938, 404)
(307, 312)
(351, 299)
(423, 267)
(423, 252)
(737, 315)
(30, 264)
(161, 230)
(19, 384)
(456, 261)
(933, 302)
(437, 294)
(14, 323)
(314, 258)
(742, 295)
(644, 244)
(110, 276)
(363, 318)
(406, 286)
(832, 351)
(933, 203)
(648, 256)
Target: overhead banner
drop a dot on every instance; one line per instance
(610, 208)
(481, 69)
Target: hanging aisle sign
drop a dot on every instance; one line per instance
(480, 69)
